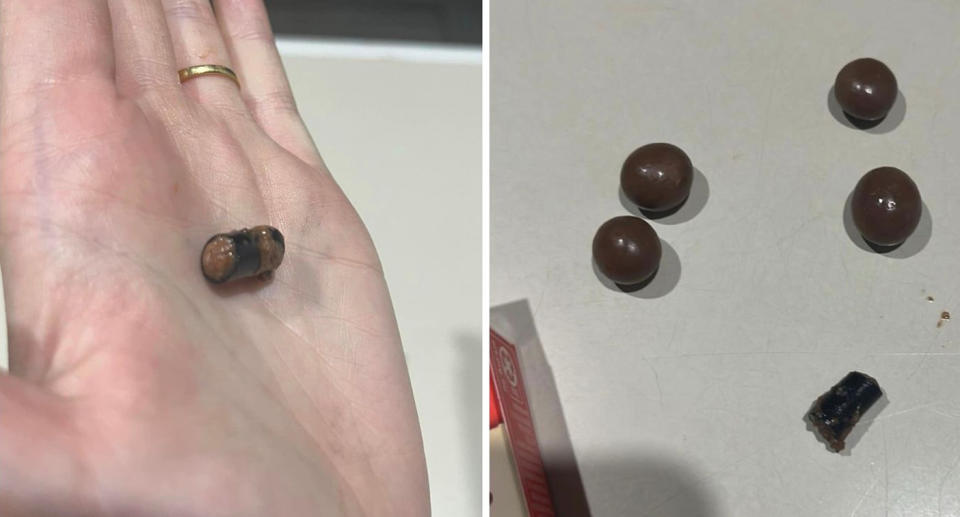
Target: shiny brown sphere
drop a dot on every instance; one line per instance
(627, 250)
(886, 206)
(657, 177)
(866, 89)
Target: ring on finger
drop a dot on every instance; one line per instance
(193, 72)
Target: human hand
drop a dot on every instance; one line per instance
(136, 388)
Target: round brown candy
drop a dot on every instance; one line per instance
(627, 250)
(866, 89)
(886, 206)
(657, 177)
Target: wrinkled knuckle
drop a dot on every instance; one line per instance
(227, 109)
(189, 11)
(276, 102)
(148, 75)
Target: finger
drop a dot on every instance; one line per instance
(144, 54)
(197, 41)
(52, 45)
(266, 90)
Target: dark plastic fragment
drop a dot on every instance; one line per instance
(837, 411)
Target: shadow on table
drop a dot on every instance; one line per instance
(663, 281)
(633, 483)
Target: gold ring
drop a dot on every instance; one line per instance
(196, 71)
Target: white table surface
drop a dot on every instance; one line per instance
(400, 129)
(687, 398)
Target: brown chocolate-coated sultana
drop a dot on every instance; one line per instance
(657, 177)
(866, 89)
(886, 206)
(627, 250)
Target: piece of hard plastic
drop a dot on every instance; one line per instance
(836, 412)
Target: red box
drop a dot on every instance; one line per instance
(517, 479)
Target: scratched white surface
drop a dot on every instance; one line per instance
(691, 403)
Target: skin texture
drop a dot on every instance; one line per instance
(886, 206)
(866, 89)
(136, 388)
(657, 177)
(627, 250)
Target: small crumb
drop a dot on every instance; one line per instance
(930, 299)
(944, 316)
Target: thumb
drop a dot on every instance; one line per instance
(35, 468)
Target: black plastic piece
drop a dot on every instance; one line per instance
(837, 411)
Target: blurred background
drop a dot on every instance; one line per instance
(440, 21)
(391, 92)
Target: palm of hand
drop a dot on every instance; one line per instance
(149, 392)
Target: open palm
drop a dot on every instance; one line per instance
(136, 388)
